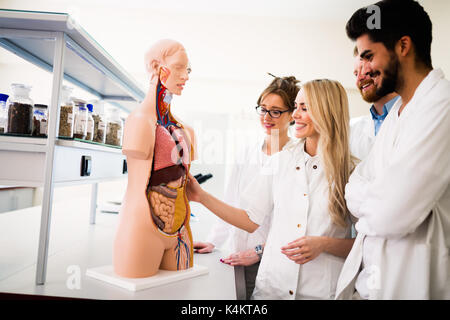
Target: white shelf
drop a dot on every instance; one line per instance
(55, 43)
(13, 143)
(87, 64)
(87, 145)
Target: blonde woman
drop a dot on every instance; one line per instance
(310, 231)
(275, 106)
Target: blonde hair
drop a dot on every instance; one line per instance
(327, 104)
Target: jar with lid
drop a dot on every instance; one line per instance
(66, 113)
(81, 117)
(40, 120)
(20, 110)
(3, 113)
(99, 123)
(90, 122)
(114, 128)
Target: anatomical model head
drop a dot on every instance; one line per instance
(168, 62)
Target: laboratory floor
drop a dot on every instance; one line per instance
(75, 246)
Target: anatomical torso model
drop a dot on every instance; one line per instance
(154, 231)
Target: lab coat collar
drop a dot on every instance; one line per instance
(386, 109)
(433, 77)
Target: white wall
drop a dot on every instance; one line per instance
(233, 44)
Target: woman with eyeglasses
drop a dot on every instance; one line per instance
(274, 107)
(309, 235)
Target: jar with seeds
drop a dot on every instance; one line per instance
(114, 128)
(66, 114)
(20, 110)
(99, 122)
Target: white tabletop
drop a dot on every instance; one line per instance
(75, 244)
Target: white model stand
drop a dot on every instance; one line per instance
(162, 277)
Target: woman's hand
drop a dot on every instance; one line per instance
(243, 258)
(193, 189)
(304, 249)
(203, 247)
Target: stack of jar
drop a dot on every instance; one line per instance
(18, 116)
(77, 119)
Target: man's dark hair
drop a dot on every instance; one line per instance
(398, 18)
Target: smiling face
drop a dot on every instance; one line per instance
(175, 72)
(379, 67)
(304, 126)
(272, 102)
(364, 83)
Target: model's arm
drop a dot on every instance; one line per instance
(138, 137)
(232, 215)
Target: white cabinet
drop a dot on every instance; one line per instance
(55, 43)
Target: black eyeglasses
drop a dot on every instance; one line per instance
(272, 113)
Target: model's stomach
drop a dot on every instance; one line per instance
(167, 199)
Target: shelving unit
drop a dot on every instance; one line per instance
(56, 43)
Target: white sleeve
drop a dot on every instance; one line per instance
(221, 229)
(395, 202)
(257, 198)
(219, 233)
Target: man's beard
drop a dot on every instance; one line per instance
(390, 79)
(371, 95)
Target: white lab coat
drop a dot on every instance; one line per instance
(289, 194)
(248, 163)
(401, 195)
(362, 136)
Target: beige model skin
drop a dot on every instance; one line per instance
(142, 245)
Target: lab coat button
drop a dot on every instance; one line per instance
(299, 225)
(291, 292)
(305, 194)
(314, 167)
(298, 168)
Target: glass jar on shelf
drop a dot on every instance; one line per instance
(81, 118)
(114, 128)
(3, 113)
(66, 113)
(99, 122)
(90, 122)
(20, 110)
(40, 120)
